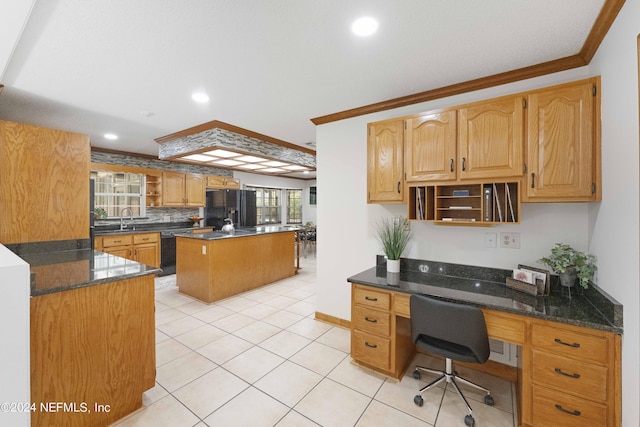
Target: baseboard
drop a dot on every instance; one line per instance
(335, 321)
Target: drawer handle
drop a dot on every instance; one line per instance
(561, 372)
(574, 345)
(566, 411)
(371, 299)
(371, 320)
(117, 241)
(146, 238)
(371, 345)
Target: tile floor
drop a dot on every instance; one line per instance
(260, 359)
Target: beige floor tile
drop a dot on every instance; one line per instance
(378, 414)
(166, 412)
(212, 313)
(298, 293)
(302, 308)
(168, 315)
(454, 410)
(233, 322)
(180, 326)
(360, 379)
(288, 383)
(285, 344)
(338, 338)
(332, 404)
(200, 336)
(225, 348)
(250, 408)
(160, 306)
(192, 307)
(253, 364)
(236, 303)
(175, 299)
(161, 337)
(209, 392)
(280, 301)
(500, 388)
(320, 358)
(153, 395)
(282, 319)
(259, 311)
(400, 396)
(309, 328)
(183, 370)
(169, 350)
(257, 332)
(294, 419)
(260, 295)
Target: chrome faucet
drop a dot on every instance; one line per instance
(122, 224)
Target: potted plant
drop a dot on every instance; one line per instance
(99, 213)
(394, 235)
(570, 264)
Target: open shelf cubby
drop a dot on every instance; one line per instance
(465, 204)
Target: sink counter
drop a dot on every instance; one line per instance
(241, 232)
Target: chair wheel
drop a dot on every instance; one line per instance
(488, 400)
(468, 420)
(418, 400)
(416, 374)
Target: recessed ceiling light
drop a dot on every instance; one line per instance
(223, 153)
(200, 97)
(111, 136)
(305, 172)
(364, 26)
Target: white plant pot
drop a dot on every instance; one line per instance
(393, 265)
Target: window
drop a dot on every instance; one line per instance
(294, 206)
(115, 191)
(312, 196)
(267, 205)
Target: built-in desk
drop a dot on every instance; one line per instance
(570, 366)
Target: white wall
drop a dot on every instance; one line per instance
(615, 239)
(258, 180)
(609, 229)
(14, 329)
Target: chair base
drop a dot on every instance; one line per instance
(451, 377)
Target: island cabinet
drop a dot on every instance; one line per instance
(222, 182)
(93, 350)
(385, 162)
(180, 189)
(142, 247)
(563, 150)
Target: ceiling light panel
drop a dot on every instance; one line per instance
(272, 170)
(251, 159)
(199, 158)
(251, 166)
(228, 162)
(295, 168)
(223, 153)
(275, 163)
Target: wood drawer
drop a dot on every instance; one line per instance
(505, 327)
(401, 304)
(146, 238)
(373, 321)
(569, 343)
(569, 376)
(550, 408)
(119, 240)
(371, 298)
(371, 350)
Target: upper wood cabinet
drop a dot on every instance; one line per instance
(179, 189)
(385, 162)
(223, 182)
(491, 139)
(430, 152)
(564, 144)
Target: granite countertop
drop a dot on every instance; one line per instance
(133, 228)
(242, 232)
(71, 269)
(485, 287)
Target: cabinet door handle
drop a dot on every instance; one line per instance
(561, 372)
(574, 345)
(370, 299)
(370, 345)
(566, 411)
(533, 180)
(464, 163)
(398, 187)
(451, 165)
(371, 320)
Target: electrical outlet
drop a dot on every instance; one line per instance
(510, 240)
(204, 249)
(490, 240)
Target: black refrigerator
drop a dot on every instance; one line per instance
(239, 205)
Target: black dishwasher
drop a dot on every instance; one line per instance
(167, 253)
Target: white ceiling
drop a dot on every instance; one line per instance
(268, 65)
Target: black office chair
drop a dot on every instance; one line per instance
(455, 331)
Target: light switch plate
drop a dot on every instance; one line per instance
(490, 240)
(510, 240)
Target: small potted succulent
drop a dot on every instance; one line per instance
(571, 264)
(394, 235)
(99, 213)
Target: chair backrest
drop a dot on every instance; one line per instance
(460, 324)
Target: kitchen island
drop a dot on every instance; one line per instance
(215, 265)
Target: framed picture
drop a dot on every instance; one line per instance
(312, 195)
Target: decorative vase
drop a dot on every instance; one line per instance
(568, 278)
(393, 265)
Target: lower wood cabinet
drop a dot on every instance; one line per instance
(143, 248)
